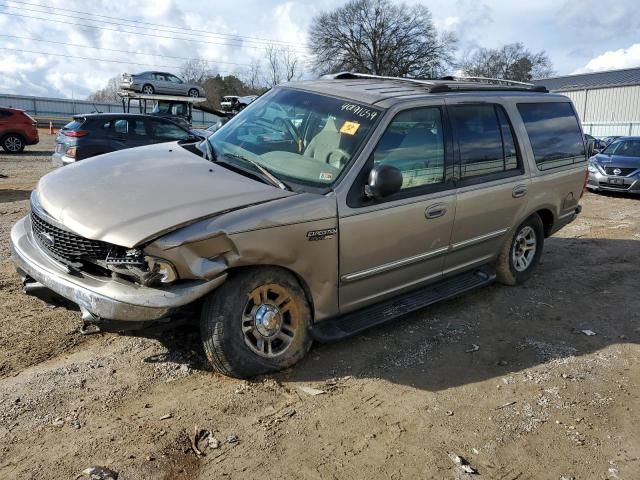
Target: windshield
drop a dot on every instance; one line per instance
(299, 137)
(625, 148)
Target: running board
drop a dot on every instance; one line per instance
(361, 320)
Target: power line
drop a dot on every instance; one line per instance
(199, 40)
(121, 51)
(261, 39)
(97, 59)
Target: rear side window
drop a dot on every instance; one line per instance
(5, 114)
(554, 134)
(485, 140)
(75, 125)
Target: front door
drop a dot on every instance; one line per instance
(399, 242)
(492, 183)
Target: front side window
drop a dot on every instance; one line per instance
(554, 133)
(173, 79)
(485, 140)
(300, 137)
(414, 144)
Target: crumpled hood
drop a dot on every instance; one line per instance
(129, 196)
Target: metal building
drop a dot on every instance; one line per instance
(608, 103)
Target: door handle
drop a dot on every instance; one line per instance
(435, 211)
(519, 191)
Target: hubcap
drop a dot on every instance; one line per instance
(147, 90)
(270, 320)
(194, 93)
(524, 249)
(13, 144)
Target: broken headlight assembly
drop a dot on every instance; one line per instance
(143, 269)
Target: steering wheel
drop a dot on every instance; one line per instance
(337, 158)
(287, 125)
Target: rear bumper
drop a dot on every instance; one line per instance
(102, 297)
(60, 160)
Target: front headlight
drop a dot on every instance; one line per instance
(593, 167)
(143, 269)
(162, 270)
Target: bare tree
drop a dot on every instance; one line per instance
(196, 70)
(108, 94)
(252, 75)
(283, 65)
(510, 62)
(382, 38)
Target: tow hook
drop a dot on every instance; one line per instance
(89, 325)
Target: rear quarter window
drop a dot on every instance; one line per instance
(75, 125)
(554, 134)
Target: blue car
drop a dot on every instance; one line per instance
(617, 167)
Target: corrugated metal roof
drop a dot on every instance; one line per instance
(611, 78)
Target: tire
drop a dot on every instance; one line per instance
(515, 265)
(193, 93)
(148, 89)
(232, 331)
(13, 143)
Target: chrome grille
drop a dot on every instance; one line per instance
(623, 171)
(66, 244)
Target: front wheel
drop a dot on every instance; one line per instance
(256, 322)
(519, 257)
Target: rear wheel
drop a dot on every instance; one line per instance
(256, 322)
(148, 89)
(194, 93)
(12, 143)
(519, 257)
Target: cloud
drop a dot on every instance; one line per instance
(614, 60)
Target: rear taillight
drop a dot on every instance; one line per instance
(74, 133)
(584, 187)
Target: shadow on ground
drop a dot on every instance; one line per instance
(581, 284)
(7, 196)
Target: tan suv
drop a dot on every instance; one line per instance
(322, 209)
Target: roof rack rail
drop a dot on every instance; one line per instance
(449, 83)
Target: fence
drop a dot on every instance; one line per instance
(608, 129)
(60, 110)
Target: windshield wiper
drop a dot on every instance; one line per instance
(266, 173)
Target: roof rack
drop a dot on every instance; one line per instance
(449, 83)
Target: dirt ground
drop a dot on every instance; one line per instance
(539, 399)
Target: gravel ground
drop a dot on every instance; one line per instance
(539, 399)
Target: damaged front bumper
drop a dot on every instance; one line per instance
(102, 298)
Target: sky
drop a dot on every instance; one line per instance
(45, 44)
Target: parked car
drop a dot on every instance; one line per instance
(282, 234)
(150, 83)
(234, 103)
(17, 129)
(606, 141)
(98, 133)
(617, 167)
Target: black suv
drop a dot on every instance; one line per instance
(97, 133)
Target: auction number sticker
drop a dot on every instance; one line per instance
(350, 128)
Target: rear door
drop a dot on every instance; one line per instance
(492, 182)
(400, 242)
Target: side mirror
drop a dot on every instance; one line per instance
(384, 180)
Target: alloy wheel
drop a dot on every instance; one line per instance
(13, 144)
(270, 320)
(524, 249)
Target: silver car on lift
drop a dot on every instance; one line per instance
(324, 208)
(150, 83)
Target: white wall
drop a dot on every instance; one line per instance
(604, 105)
